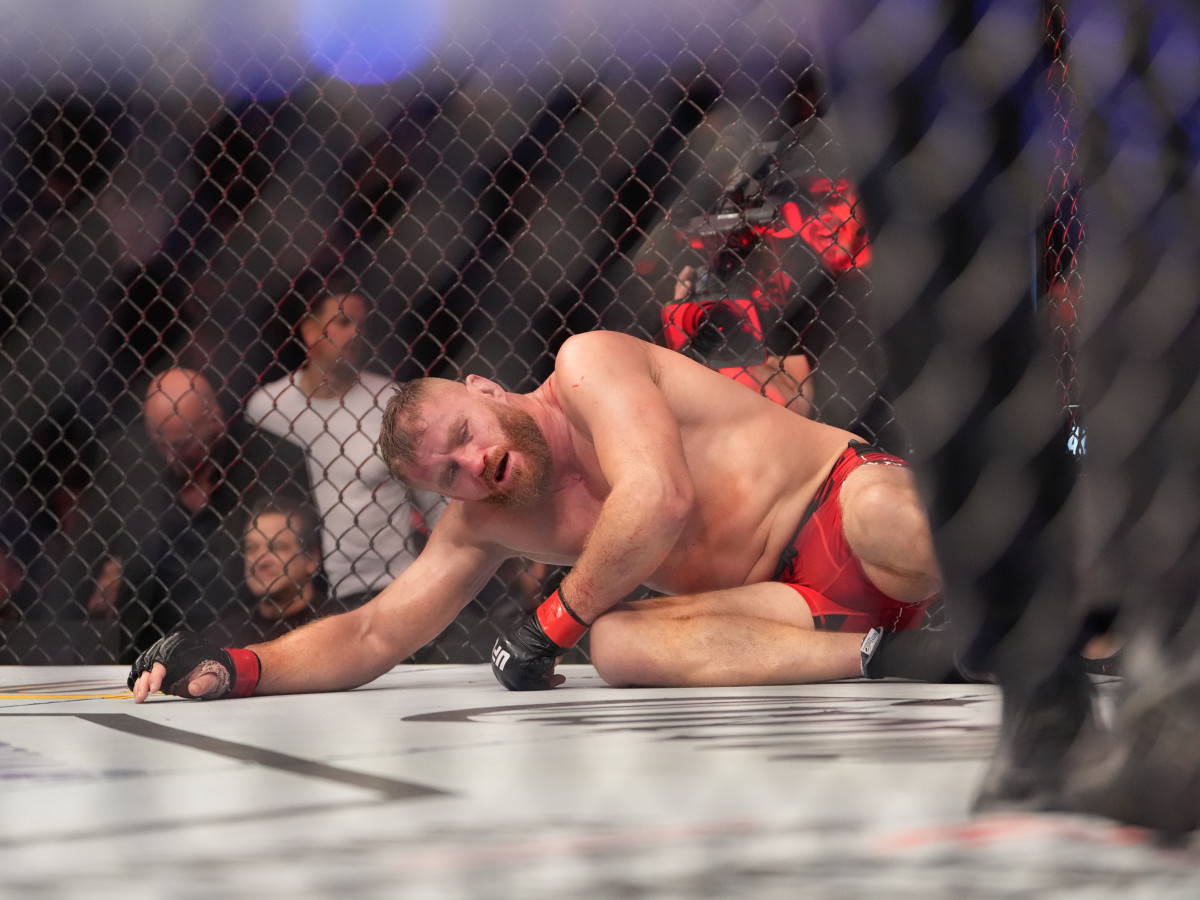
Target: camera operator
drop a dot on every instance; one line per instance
(794, 243)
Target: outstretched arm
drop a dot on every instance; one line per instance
(354, 648)
(350, 649)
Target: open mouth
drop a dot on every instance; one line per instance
(501, 468)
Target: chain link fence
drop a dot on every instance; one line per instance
(185, 187)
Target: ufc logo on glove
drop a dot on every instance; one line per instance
(500, 656)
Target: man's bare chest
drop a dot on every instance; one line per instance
(556, 529)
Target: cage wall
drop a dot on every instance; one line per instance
(180, 188)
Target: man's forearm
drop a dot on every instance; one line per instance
(631, 539)
(331, 654)
(625, 547)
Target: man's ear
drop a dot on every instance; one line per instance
(485, 387)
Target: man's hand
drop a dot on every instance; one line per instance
(524, 659)
(186, 665)
(685, 283)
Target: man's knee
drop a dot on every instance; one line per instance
(612, 647)
(887, 527)
(605, 651)
(881, 493)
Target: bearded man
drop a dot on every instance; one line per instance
(785, 550)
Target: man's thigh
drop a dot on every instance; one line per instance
(759, 634)
(769, 600)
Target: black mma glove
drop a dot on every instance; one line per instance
(524, 659)
(186, 656)
(925, 655)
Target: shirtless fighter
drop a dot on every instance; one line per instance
(780, 542)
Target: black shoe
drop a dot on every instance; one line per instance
(1146, 770)
(1037, 731)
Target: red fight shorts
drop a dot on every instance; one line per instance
(820, 565)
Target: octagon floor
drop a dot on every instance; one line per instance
(434, 782)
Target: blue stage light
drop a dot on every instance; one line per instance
(370, 41)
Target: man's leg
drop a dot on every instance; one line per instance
(758, 634)
(885, 524)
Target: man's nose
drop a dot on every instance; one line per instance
(473, 460)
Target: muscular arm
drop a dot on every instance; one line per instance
(608, 388)
(354, 648)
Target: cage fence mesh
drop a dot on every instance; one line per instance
(184, 186)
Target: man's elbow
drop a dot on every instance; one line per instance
(676, 499)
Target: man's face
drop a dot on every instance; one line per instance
(332, 334)
(275, 564)
(475, 448)
(184, 432)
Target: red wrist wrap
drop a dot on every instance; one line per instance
(247, 670)
(560, 624)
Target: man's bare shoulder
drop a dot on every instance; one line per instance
(600, 338)
(624, 354)
(488, 527)
(599, 349)
(614, 364)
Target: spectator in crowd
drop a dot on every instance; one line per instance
(34, 537)
(283, 589)
(372, 526)
(156, 546)
(12, 576)
(13, 587)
